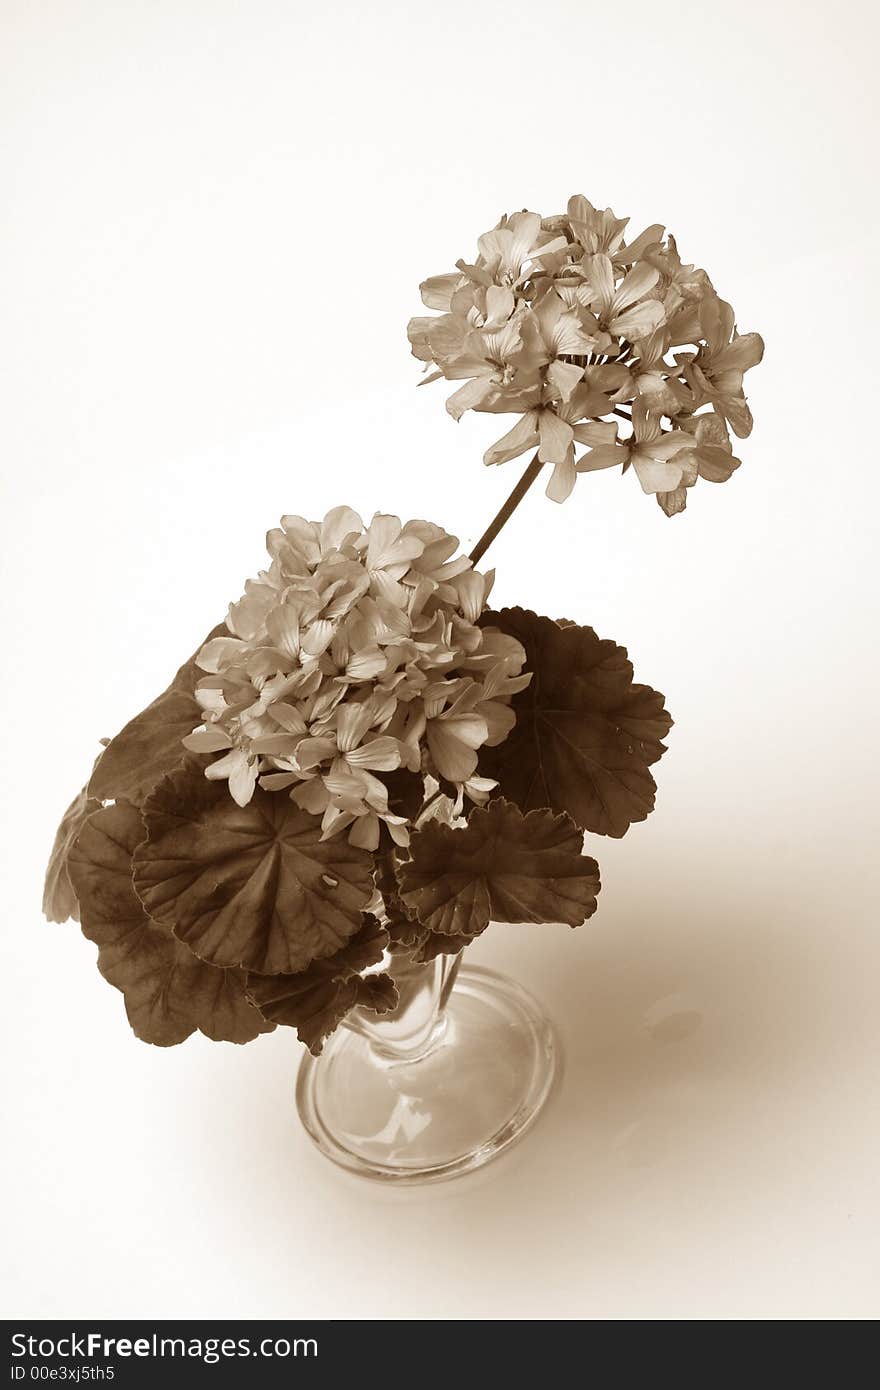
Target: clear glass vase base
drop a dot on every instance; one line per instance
(473, 1091)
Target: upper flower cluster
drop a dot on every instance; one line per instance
(562, 322)
(356, 652)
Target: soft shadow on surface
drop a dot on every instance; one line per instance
(665, 1027)
(694, 1052)
(655, 1023)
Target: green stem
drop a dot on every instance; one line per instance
(507, 510)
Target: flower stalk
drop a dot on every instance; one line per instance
(507, 510)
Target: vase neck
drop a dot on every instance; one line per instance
(418, 1024)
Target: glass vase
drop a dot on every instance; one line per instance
(449, 1080)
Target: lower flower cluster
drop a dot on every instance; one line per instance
(357, 652)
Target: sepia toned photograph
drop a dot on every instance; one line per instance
(441, 606)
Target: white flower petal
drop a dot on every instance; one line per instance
(500, 304)
(640, 244)
(311, 796)
(209, 740)
(601, 273)
(337, 525)
(556, 437)
(310, 752)
(599, 432)
(472, 591)
(379, 755)
(453, 758)
(219, 653)
(364, 665)
(288, 717)
(352, 722)
(222, 768)
(605, 456)
(666, 446)
(655, 476)
(563, 377)
(277, 781)
(365, 832)
(523, 436)
(635, 283)
(242, 782)
(562, 481)
(437, 291)
(398, 831)
(467, 397)
(639, 321)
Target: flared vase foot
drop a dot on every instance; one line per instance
(476, 1088)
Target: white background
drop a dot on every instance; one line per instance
(216, 219)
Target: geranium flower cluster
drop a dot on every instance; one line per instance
(564, 323)
(356, 653)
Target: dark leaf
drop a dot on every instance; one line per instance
(314, 1001)
(363, 950)
(150, 744)
(169, 993)
(585, 735)
(406, 936)
(59, 898)
(377, 993)
(405, 932)
(501, 866)
(254, 886)
(436, 944)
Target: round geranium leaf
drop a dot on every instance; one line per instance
(168, 992)
(585, 734)
(59, 898)
(404, 930)
(502, 866)
(315, 1000)
(435, 943)
(151, 743)
(253, 885)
